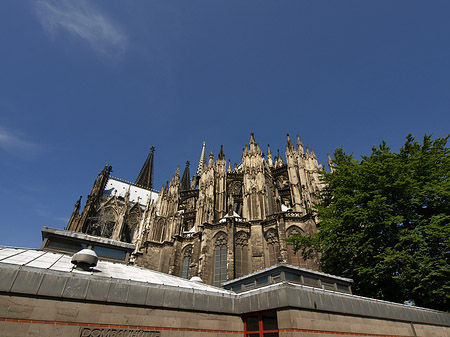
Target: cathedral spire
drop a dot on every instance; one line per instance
(202, 162)
(93, 199)
(269, 156)
(280, 159)
(185, 179)
(253, 146)
(200, 169)
(331, 164)
(211, 159)
(145, 178)
(221, 154)
(289, 145)
(299, 145)
(176, 177)
(75, 216)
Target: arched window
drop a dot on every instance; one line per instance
(131, 225)
(241, 254)
(104, 225)
(220, 259)
(295, 259)
(187, 258)
(158, 232)
(273, 244)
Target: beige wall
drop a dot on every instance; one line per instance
(20, 316)
(301, 323)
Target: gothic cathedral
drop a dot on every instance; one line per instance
(221, 224)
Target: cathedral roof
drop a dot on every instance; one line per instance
(139, 194)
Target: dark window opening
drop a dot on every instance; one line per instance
(70, 246)
(187, 257)
(220, 261)
(262, 280)
(292, 277)
(310, 281)
(262, 324)
(241, 255)
(186, 263)
(65, 245)
(276, 277)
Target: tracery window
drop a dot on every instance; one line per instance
(159, 230)
(295, 258)
(187, 259)
(273, 244)
(132, 225)
(220, 259)
(241, 254)
(104, 224)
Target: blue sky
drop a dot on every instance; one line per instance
(83, 83)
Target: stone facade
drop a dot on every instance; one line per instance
(221, 224)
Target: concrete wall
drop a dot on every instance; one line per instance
(33, 316)
(26, 316)
(303, 323)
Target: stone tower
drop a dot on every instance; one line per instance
(220, 224)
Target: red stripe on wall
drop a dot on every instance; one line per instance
(342, 333)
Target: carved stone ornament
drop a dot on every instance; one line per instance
(221, 240)
(241, 239)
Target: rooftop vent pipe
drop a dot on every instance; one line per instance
(85, 259)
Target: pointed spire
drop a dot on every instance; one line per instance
(78, 203)
(76, 212)
(176, 177)
(289, 145)
(229, 166)
(221, 154)
(166, 187)
(202, 162)
(127, 195)
(253, 146)
(185, 180)
(145, 178)
(211, 159)
(280, 159)
(269, 156)
(330, 164)
(299, 145)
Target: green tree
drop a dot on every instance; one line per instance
(384, 221)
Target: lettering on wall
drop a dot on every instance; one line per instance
(109, 332)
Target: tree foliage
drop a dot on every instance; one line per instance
(384, 221)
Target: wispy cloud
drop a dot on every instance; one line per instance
(44, 212)
(82, 20)
(15, 143)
